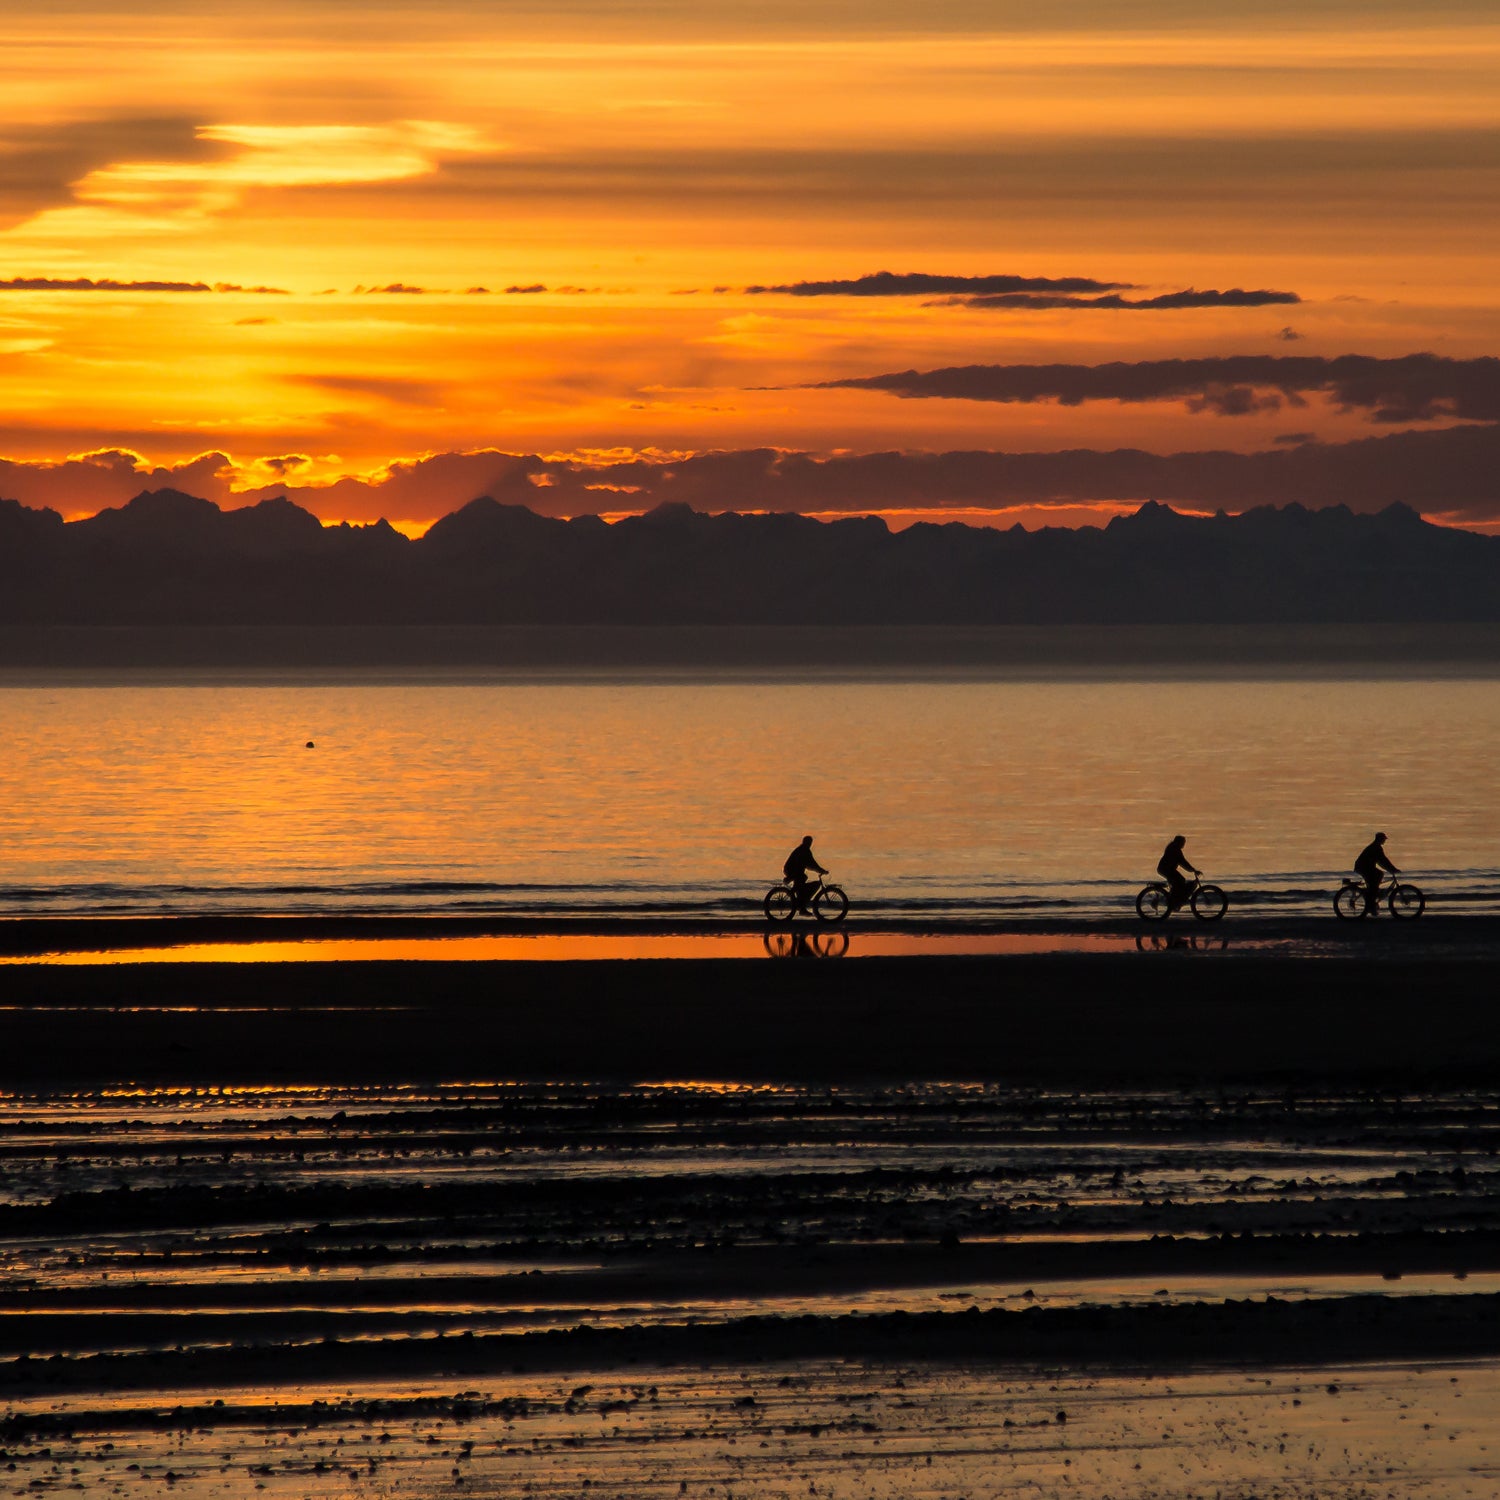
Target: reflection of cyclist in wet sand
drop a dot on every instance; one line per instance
(1170, 866)
(1372, 860)
(796, 868)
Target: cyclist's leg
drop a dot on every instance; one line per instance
(1178, 891)
(1372, 894)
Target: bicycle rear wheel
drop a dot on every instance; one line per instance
(1407, 902)
(779, 904)
(1209, 903)
(830, 904)
(1153, 904)
(1349, 904)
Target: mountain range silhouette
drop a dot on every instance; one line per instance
(170, 559)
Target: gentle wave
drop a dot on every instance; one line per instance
(922, 897)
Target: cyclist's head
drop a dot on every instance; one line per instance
(807, 838)
(1380, 838)
(1180, 839)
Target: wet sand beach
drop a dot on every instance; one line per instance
(1113, 1002)
(433, 1225)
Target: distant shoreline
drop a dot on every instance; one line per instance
(60, 654)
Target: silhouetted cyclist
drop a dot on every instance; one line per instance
(798, 863)
(1372, 860)
(1172, 862)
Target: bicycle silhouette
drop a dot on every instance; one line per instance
(1403, 900)
(827, 902)
(1207, 902)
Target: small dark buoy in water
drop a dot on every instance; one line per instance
(308, 746)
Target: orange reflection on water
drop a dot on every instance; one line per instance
(484, 947)
(821, 942)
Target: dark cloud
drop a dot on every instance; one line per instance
(1288, 335)
(922, 283)
(88, 284)
(286, 463)
(1410, 388)
(1451, 472)
(106, 284)
(1192, 297)
(1454, 472)
(400, 288)
(1166, 302)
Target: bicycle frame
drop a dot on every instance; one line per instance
(828, 903)
(1390, 885)
(1146, 903)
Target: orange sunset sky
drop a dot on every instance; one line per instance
(588, 254)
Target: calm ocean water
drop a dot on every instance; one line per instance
(684, 796)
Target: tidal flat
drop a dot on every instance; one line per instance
(830, 1429)
(699, 1288)
(1132, 1225)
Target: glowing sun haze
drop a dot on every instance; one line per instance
(315, 240)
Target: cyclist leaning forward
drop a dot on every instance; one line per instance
(796, 868)
(1170, 866)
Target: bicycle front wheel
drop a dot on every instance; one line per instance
(1349, 904)
(1153, 904)
(779, 904)
(1407, 901)
(1209, 903)
(830, 904)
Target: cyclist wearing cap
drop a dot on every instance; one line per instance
(798, 863)
(1372, 860)
(1172, 862)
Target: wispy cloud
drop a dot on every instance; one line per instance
(168, 194)
(400, 390)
